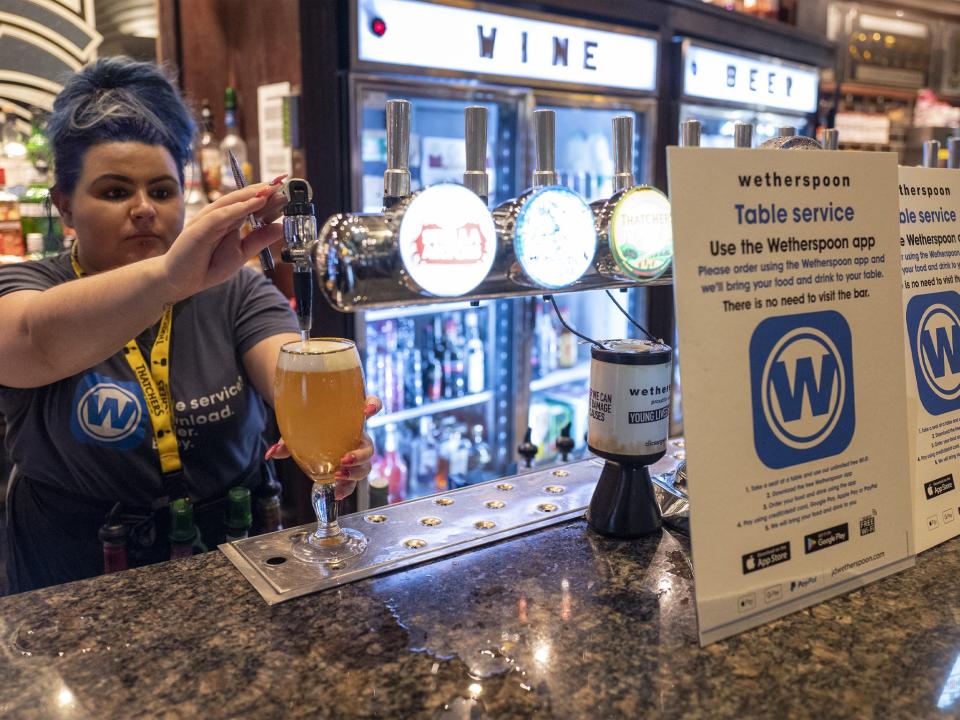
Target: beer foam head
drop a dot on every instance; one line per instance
(319, 355)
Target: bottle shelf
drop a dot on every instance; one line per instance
(416, 310)
(561, 377)
(431, 408)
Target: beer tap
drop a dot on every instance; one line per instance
(953, 152)
(545, 140)
(300, 236)
(475, 136)
(690, 133)
(396, 179)
(565, 443)
(527, 450)
(742, 135)
(547, 234)
(633, 225)
(831, 139)
(931, 153)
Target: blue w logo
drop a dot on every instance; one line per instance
(933, 329)
(109, 407)
(942, 350)
(801, 386)
(108, 412)
(804, 384)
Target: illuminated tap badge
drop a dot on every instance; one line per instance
(555, 237)
(641, 236)
(447, 240)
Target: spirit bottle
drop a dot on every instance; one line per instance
(231, 142)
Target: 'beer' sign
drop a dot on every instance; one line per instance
(748, 79)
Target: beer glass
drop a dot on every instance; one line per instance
(319, 400)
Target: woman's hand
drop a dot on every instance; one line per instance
(211, 247)
(354, 466)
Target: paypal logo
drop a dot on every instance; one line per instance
(108, 412)
(801, 372)
(933, 326)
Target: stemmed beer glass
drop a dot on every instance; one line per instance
(319, 398)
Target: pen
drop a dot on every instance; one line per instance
(266, 259)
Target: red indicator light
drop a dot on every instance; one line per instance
(378, 27)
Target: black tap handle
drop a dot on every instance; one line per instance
(303, 292)
(565, 443)
(528, 451)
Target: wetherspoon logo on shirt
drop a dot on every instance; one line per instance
(108, 412)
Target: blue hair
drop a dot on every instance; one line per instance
(116, 99)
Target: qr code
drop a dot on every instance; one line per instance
(868, 524)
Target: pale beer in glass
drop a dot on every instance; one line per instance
(319, 400)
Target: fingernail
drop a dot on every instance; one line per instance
(265, 191)
(349, 459)
(370, 409)
(271, 451)
(278, 179)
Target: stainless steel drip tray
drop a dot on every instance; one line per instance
(427, 528)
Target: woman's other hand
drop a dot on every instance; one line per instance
(355, 465)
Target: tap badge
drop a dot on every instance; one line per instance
(801, 382)
(641, 236)
(555, 236)
(447, 240)
(933, 328)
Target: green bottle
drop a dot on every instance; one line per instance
(183, 532)
(239, 515)
(37, 212)
(39, 215)
(38, 147)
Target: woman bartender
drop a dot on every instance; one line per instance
(135, 369)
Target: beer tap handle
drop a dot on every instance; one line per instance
(953, 150)
(623, 152)
(475, 135)
(931, 153)
(742, 135)
(690, 133)
(528, 451)
(831, 139)
(786, 131)
(300, 236)
(396, 179)
(545, 136)
(565, 443)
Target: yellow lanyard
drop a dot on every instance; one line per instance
(155, 383)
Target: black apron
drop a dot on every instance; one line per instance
(52, 536)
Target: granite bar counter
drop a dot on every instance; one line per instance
(559, 623)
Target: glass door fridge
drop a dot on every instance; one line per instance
(555, 379)
(443, 371)
(442, 56)
(721, 86)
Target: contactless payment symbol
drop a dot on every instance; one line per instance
(933, 326)
(108, 412)
(801, 382)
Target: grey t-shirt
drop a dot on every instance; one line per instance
(90, 434)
